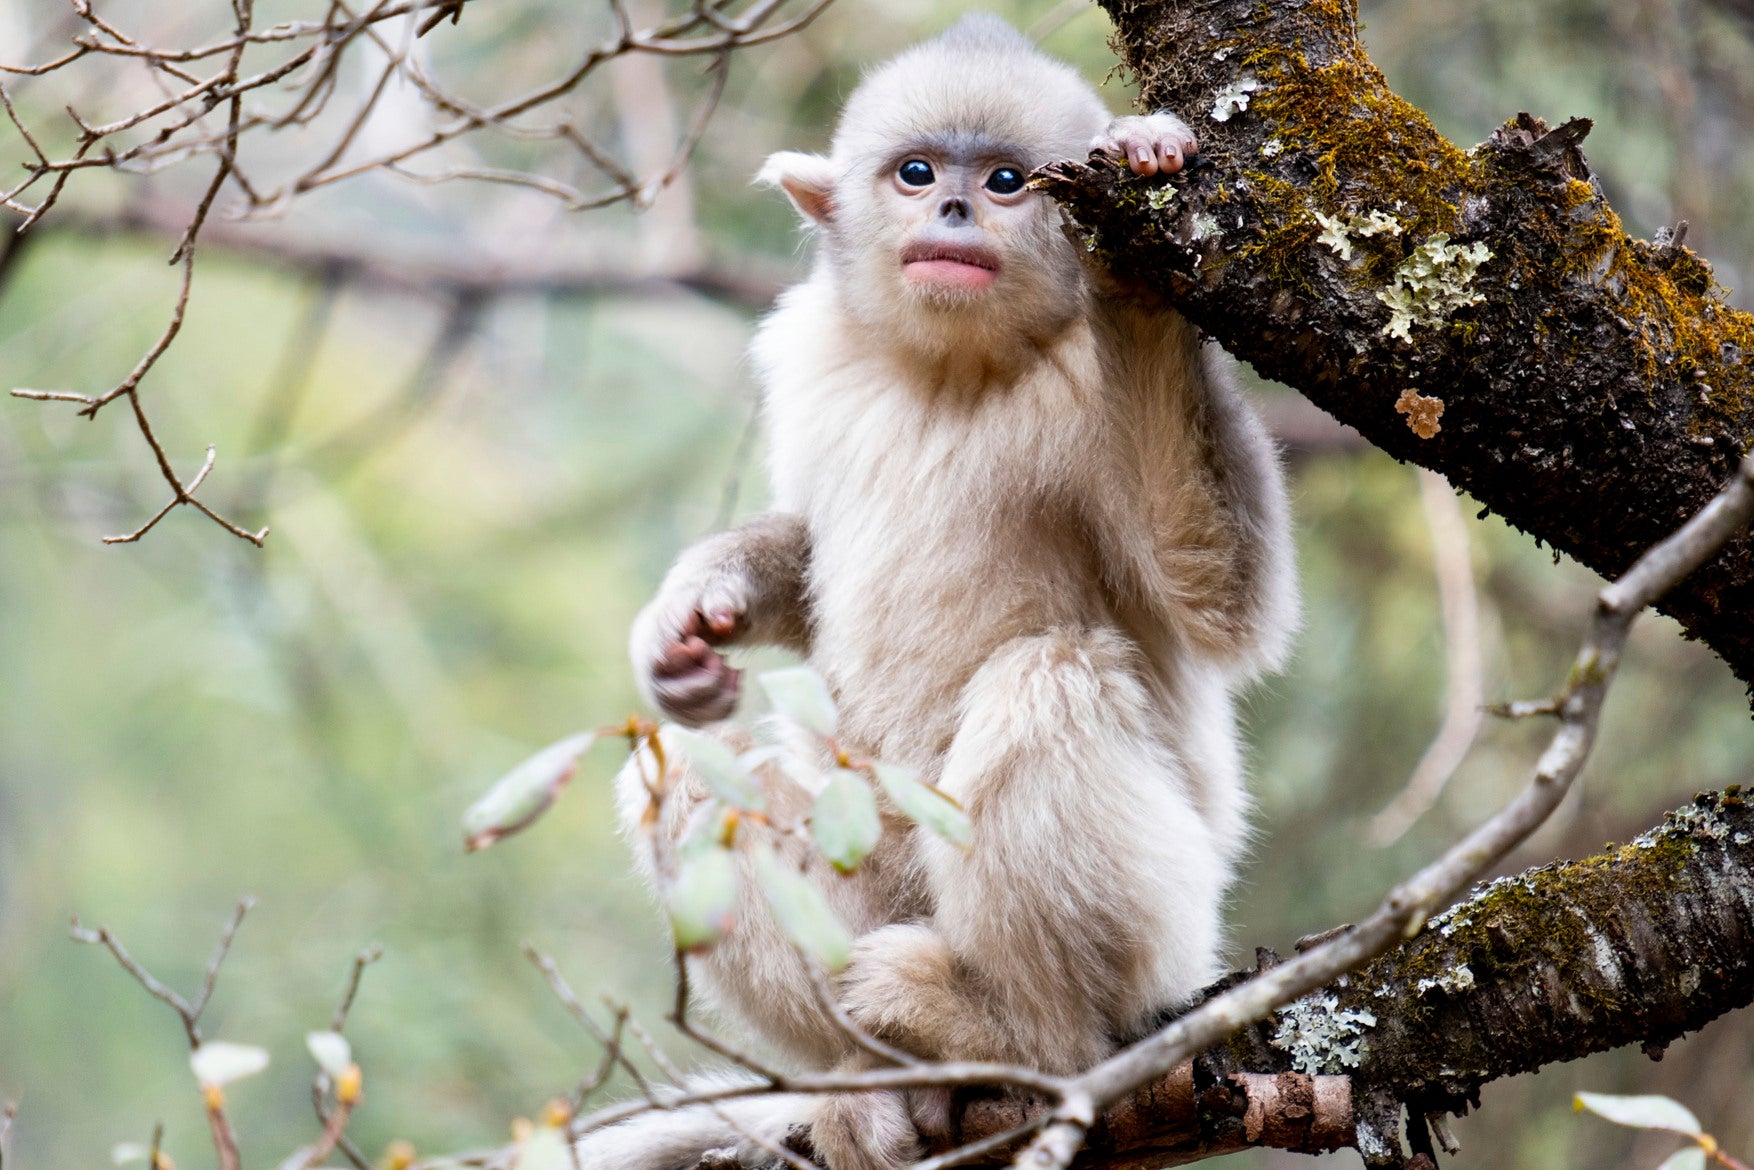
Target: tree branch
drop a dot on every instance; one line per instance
(1549, 965)
(1590, 388)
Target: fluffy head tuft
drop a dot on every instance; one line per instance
(980, 76)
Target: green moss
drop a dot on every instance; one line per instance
(1370, 151)
(1544, 915)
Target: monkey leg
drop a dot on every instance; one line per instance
(1090, 897)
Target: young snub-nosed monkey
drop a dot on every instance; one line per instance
(1034, 541)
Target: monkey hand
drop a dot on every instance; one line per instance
(675, 651)
(1151, 144)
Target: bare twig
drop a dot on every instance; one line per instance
(188, 1010)
(361, 961)
(1407, 907)
(614, 1051)
(306, 57)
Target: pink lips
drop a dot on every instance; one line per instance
(949, 266)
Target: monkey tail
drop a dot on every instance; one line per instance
(677, 1139)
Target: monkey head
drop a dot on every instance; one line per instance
(926, 225)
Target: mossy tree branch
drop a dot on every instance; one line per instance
(1592, 389)
(1637, 945)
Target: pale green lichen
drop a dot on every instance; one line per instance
(1449, 922)
(1160, 197)
(1319, 1036)
(1432, 283)
(1271, 148)
(1455, 981)
(1337, 231)
(1233, 99)
(1694, 820)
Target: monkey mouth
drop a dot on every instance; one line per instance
(949, 266)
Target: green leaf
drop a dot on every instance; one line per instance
(525, 793)
(331, 1052)
(544, 1149)
(702, 901)
(717, 764)
(844, 820)
(924, 805)
(1690, 1158)
(1643, 1112)
(218, 1063)
(803, 912)
(800, 694)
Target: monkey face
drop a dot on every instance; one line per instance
(961, 213)
(939, 235)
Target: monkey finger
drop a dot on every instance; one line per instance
(719, 624)
(701, 696)
(683, 656)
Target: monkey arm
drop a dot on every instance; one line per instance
(742, 587)
(1200, 531)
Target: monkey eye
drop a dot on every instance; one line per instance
(1005, 181)
(916, 172)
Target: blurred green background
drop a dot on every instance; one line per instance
(459, 544)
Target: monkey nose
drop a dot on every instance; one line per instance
(954, 209)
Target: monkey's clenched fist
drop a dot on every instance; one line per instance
(716, 596)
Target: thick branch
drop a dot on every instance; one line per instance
(1593, 389)
(1637, 945)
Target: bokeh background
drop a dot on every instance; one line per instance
(469, 503)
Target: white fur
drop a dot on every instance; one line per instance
(1034, 540)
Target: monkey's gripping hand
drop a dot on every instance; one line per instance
(744, 586)
(1150, 144)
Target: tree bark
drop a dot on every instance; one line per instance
(1592, 389)
(1637, 945)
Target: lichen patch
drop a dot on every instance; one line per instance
(1233, 99)
(1431, 284)
(1320, 1036)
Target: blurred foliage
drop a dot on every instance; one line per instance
(454, 564)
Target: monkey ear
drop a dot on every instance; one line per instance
(807, 180)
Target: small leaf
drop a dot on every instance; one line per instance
(702, 901)
(1690, 1158)
(218, 1063)
(523, 794)
(124, 1152)
(1642, 1112)
(803, 912)
(544, 1149)
(844, 820)
(925, 805)
(716, 764)
(331, 1052)
(800, 694)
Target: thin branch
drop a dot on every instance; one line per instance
(361, 961)
(174, 128)
(611, 1041)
